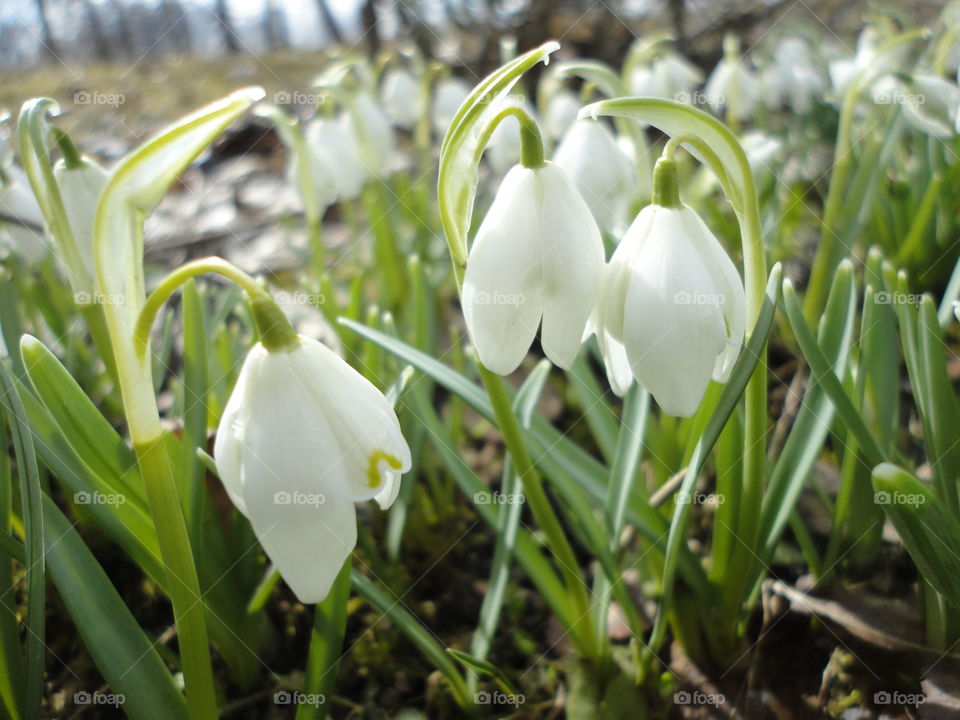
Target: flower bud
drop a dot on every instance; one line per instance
(80, 189)
(401, 98)
(600, 170)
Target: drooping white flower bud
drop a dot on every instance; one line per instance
(372, 134)
(561, 112)
(673, 302)
(448, 97)
(303, 437)
(326, 137)
(670, 76)
(401, 97)
(21, 220)
(600, 170)
(538, 256)
(732, 84)
(80, 188)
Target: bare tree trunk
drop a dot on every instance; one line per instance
(123, 30)
(274, 28)
(223, 17)
(46, 36)
(330, 21)
(368, 17)
(176, 20)
(417, 29)
(678, 17)
(101, 45)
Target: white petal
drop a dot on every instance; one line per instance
(80, 189)
(572, 258)
(326, 136)
(599, 169)
(502, 301)
(308, 540)
(370, 443)
(401, 97)
(672, 330)
(613, 293)
(391, 488)
(728, 289)
(616, 363)
(449, 96)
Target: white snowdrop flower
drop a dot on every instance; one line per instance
(600, 170)
(402, 98)
(792, 77)
(327, 137)
(930, 105)
(670, 76)
(732, 85)
(303, 437)
(537, 256)
(672, 303)
(448, 97)
(80, 189)
(21, 220)
(561, 112)
(372, 134)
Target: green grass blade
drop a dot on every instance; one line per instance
(34, 557)
(326, 647)
(125, 656)
(928, 530)
(809, 431)
(823, 374)
(87, 431)
(12, 681)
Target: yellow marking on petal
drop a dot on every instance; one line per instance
(373, 468)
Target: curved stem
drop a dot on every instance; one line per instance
(531, 144)
(178, 277)
(275, 330)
